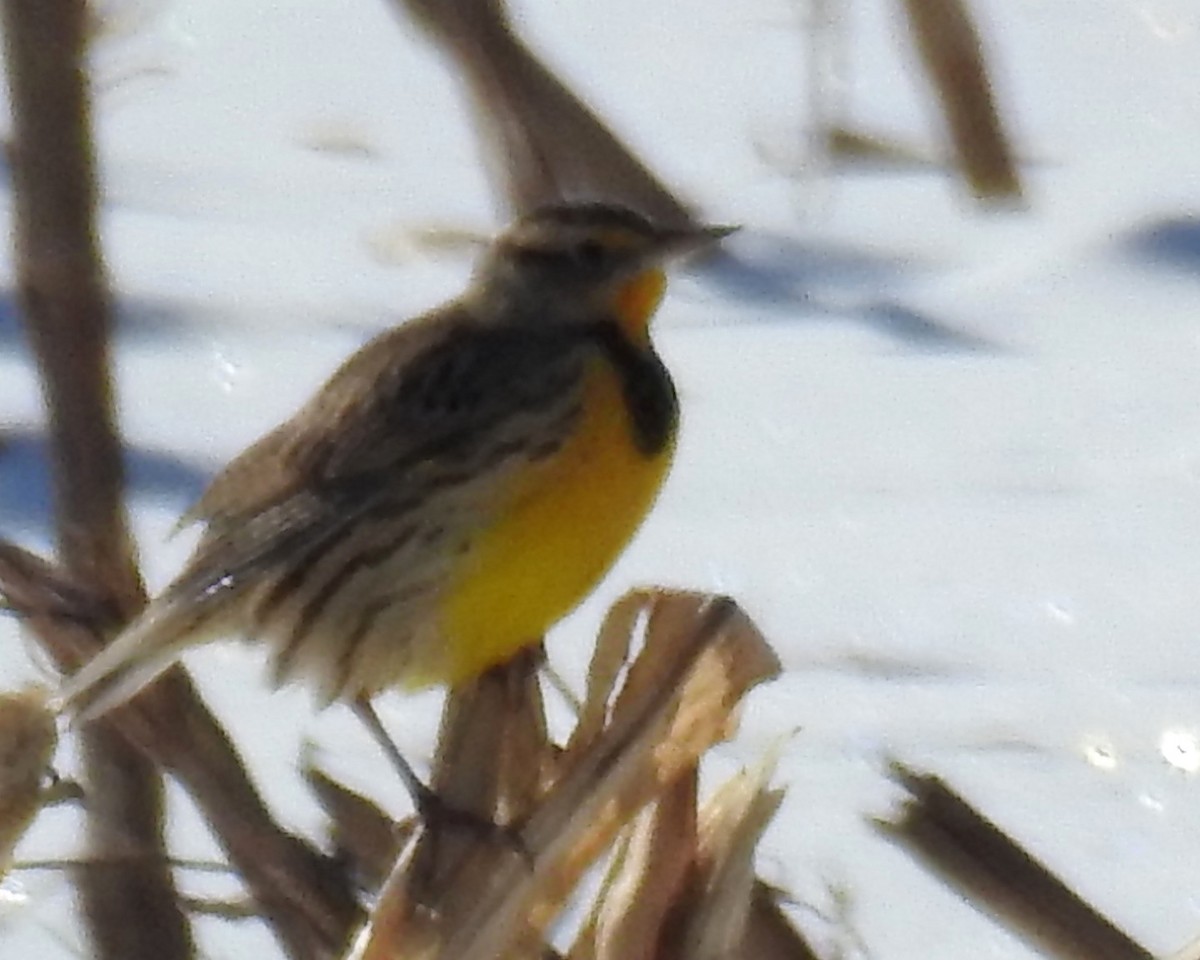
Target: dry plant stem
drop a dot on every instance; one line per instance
(124, 807)
(303, 897)
(365, 838)
(714, 917)
(686, 889)
(648, 877)
(1189, 952)
(221, 909)
(62, 287)
(548, 145)
(62, 290)
(66, 309)
(978, 859)
(301, 894)
(768, 934)
(952, 54)
(669, 711)
(825, 60)
(27, 741)
(493, 749)
(865, 149)
(700, 658)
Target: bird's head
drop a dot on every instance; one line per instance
(578, 262)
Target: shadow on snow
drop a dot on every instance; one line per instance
(820, 283)
(25, 495)
(1172, 242)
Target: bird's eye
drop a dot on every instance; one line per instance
(590, 253)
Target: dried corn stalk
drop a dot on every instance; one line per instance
(977, 858)
(27, 741)
(634, 746)
(951, 53)
(544, 143)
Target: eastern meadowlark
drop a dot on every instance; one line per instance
(452, 491)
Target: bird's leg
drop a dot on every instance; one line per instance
(421, 795)
(431, 808)
(561, 687)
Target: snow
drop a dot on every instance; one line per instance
(948, 462)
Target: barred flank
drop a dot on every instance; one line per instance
(353, 611)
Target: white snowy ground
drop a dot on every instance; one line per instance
(950, 463)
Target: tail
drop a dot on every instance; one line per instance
(137, 656)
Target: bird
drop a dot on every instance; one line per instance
(451, 492)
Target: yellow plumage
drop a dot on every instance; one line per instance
(564, 524)
(457, 486)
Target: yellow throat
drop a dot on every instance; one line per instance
(636, 302)
(563, 522)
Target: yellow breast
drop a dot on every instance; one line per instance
(559, 529)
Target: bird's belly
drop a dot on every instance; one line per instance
(559, 527)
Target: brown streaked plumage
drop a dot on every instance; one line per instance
(457, 486)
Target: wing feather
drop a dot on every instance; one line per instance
(421, 403)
